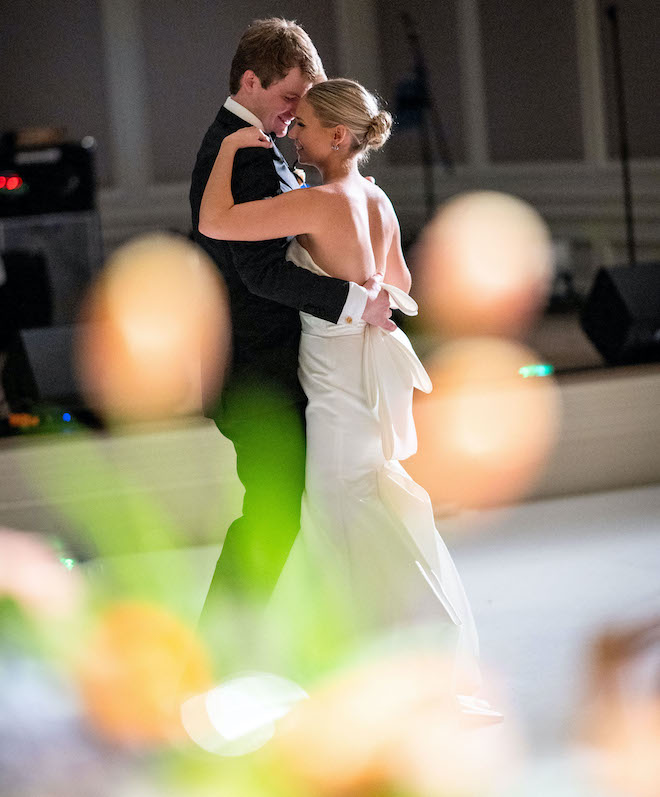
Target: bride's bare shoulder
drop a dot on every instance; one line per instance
(350, 195)
(383, 198)
(330, 192)
(383, 203)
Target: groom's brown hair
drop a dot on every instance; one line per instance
(270, 48)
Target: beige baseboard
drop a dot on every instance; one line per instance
(610, 432)
(184, 474)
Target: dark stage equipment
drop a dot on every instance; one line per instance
(622, 314)
(48, 179)
(415, 108)
(50, 360)
(51, 247)
(42, 379)
(622, 123)
(47, 209)
(70, 243)
(26, 295)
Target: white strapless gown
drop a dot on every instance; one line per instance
(368, 569)
(368, 536)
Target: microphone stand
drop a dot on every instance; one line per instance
(429, 115)
(624, 150)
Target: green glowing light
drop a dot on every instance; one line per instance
(68, 563)
(537, 369)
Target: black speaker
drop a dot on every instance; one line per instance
(621, 315)
(51, 179)
(27, 292)
(41, 378)
(49, 353)
(71, 245)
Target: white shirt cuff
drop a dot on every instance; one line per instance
(355, 304)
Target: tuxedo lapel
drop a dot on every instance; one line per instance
(282, 168)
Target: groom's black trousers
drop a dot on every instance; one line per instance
(268, 433)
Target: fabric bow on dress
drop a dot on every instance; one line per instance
(391, 371)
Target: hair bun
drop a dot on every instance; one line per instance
(379, 130)
(344, 102)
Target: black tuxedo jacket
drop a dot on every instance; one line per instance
(265, 290)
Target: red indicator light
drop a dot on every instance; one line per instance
(14, 182)
(3, 181)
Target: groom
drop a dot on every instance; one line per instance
(262, 406)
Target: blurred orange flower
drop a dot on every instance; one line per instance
(393, 723)
(139, 665)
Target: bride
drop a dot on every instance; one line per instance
(367, 526)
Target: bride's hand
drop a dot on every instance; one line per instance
(248, 137)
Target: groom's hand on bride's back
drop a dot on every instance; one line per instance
(377, 311)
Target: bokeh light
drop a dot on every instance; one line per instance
(136, 669)
(239, 715)
(486, 430)
(485, 265)
(157, 333)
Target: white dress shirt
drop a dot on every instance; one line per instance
(356, 300)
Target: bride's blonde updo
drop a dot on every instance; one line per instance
(345, 102)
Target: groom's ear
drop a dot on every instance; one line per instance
(250, 81)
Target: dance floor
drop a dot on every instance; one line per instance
(544, 579)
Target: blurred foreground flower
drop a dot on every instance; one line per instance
(393, 726)
(623, 713)
(485, 266)
(32, 575)
(486, 429)
(140, 664)
(158, 334)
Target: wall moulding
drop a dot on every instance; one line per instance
(578, 199)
